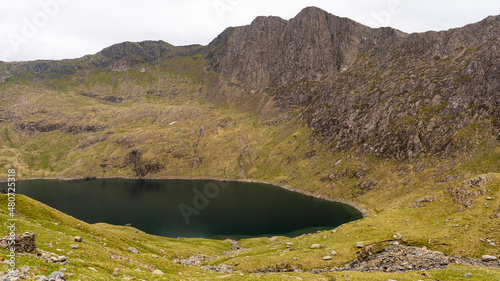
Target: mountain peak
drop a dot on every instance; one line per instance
(311, 10)
(263, 21)
(273, 52)
(315, 14)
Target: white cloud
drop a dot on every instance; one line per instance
(56, 29)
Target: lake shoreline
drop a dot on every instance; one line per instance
(363, 211)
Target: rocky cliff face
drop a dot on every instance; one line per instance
(273, 52)
(379, 90)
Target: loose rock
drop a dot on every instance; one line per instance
(360, 245)
(488, 258)
(133, 250)
(316, 246)
(56, 275)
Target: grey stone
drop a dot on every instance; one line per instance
(133, 250)
(488, 258)
(316, 246)
(398, 236)
(56, 275)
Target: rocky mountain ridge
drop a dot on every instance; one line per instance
(272, 52)
(384, 91)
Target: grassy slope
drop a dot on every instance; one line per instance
(279, 152)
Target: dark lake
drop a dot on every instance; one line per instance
(191, 208)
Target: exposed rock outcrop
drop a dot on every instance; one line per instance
(141, 168)
(23, 243)
(462, 195)
(421, 202)
(272, 52)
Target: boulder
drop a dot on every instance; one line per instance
(56, 276)
(488, 258)
(316, 246)
(77, 239)
(360, 245)
(133, 250)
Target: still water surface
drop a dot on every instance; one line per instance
(191, 208)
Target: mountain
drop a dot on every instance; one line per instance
(273, 52)
(405, 127)
(397, 95)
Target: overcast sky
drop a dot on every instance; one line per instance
(57, 29)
